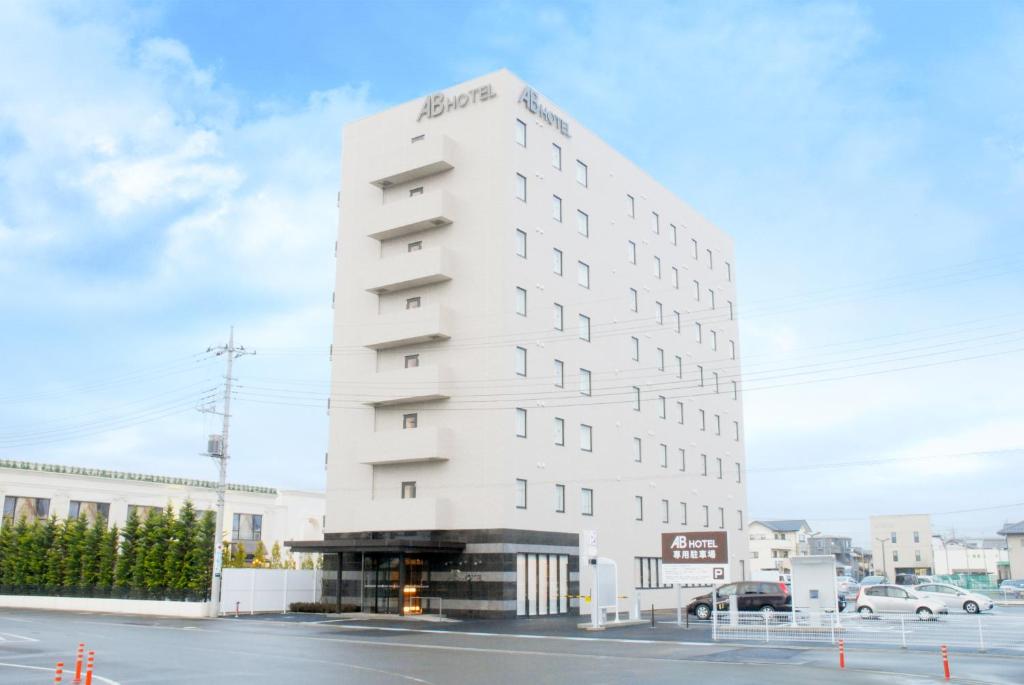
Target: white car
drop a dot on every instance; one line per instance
(894, 598)
(847, 585)
(955, 598)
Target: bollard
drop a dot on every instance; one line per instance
(945, 661)
(88, 668)
(58, 674)
(236, 609)
(842, 654)
(78, 663)
(652, 616)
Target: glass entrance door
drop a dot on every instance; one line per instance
(393, 580)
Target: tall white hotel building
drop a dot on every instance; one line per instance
(532, 338)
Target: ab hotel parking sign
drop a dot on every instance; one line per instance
(695, 558)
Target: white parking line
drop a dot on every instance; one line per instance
(50, 670)
(4, 636)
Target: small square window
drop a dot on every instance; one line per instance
(559, 319)
(556, 156)
(520, 361)
(559, 374)
(410, 420)
(556, 261)
(630, 206)
(521, 243)
(520, 493)
(520, 187)
(581, 173)
(520, 422)
(412, 303)
(409, 489)
(586, 501)
(638, 450)
(664, 511)
(415, 246)
(655, 223)
(631, 252)
(521, 301)
(584, 327)
(657, 267)
(636, 398)
(556, 208)
(586, 438)
(585, 388)
(635, 344)
(413, 192)
(638, 504)
(559, 431)
(582, 223)
(559, 498)
(412, 361)
(583, 274)
(521, 132)
(634, 300)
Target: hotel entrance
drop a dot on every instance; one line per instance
(395, 584)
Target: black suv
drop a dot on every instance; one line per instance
(751, 595)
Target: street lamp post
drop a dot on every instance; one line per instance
(884, 571)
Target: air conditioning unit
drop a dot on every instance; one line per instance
(215, 445)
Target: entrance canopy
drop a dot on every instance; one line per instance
(386, 545)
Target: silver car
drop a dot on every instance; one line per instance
(955, 598)
(847, 585)
(895, 598)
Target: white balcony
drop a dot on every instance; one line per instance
(405, 446)
(419, 384)
(432, 155)
(402, 217)
(410, 270)
(408, 327)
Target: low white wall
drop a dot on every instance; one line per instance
(251, 590)
(144, 607)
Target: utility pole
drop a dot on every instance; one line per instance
(884, 572)
(230, 352)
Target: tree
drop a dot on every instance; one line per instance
(185, 540)
(92, 544)
(129, 544)
(308, 563)
(55, 557)
(142, 543)
(237, 557)
(275, 556)
(74, 542)
(8, 550)
(199, 560)
(259, 557)
(107, 560)
(158, 540)
(44, 537)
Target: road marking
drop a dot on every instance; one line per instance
(4, 636)
(50, 670)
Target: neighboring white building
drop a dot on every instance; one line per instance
(773, 543)
(957, 555)
(532, 338)
(902, 543)
(1014, 534)
(252, 513)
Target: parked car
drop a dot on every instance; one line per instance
(876, 598)
(873, 580)
(847, 585)
(1012, 588)
(955, 598)
(906, 579)
(750, 596)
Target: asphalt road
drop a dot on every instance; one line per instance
(268, 649)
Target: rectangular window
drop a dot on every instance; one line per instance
(631, 252)
(662, 411)
(630, 206)
(718, 461)
(739, 473)
(660, 356)
(696, 290)
(520, 493)
(90, 511)
(732, 349)
(635, 343)
(739, 518)
(520, 361)
(655, 225)
(703, 424)
(659, 313)
(634, 300)
(559, 374)
(412, 361)
(521, 132)
(892, 538)
(735, 390)
(693, 243)
(664, 456)
(638, 507)
(917, 537)
(521, 301)
(582, 223)
(679, 407)
(679, 366)
(581, 173)
(556, 156)
(664, 511)
(412, 303)
(584, 382)
(675, 278)
(520, 422)
(556, 208)
(678, 321)
(697, 333)
(521, 243)
(721, 517)
(409, 489)
(736, 430)
(711, 264)
(682, 459)
(707, 515)
(247, 527)
(673, 234)
(715, 374)
(584, 327)
(413, 192)
(414, 246)
(559, 319)
(703, 464)
(714, 340)
(682, 513)
(700, 375)
(638, 450)
(410, 420)
(556, 261)
(730, 311)
(586, 438)
(586, 501)
(636, 398)
(657, 267)
(520, 187)
(711, 297)
(583, 274)
(559, 432)
(728, 272)
(559, 498)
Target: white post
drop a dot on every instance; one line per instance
(252, 591)
(903, 632)
(832, 626)
(595, 612)
(981, 635)
(679, 604)
(767, 633)
(284, 594)
(714, 614)
(316, 588)
(635, 612)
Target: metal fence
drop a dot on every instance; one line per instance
(980, 632)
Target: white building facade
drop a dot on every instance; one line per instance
(532, 338)
(902, 543)
(774, 543)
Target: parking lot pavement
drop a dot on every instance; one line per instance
(148, 650)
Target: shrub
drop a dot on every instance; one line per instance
(321, 608)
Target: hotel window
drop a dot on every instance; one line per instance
(584, 327)
(673, 234)
(682, 513)
(660, 356)
(703, 424)
(630, 206)
(682, 459)
(678, 321)
(586, 438)
(728, 271)
(679, 366)
(520, 361)
(636, 398)
(659, 313)
(556, 261)
(410, 420)
(414, 246)
(412, 361)
(520, 422)
(739, 518)
(732, 349)
(917, 555)
(559, 320)
(521, 301)
(631, 254)
(559, 432)
(696, 290)
(693, 244)
(91, 511)
(711, 297)
(582, 223)
(559, 374)
(664, 456)
(679, 408)
(412, 303)
(721, 517)
(917, 538)
(739, 473)
(559, 498)
(655, 225)
(664, 511)
(711, 264)
(700, 375)
(586, 501)
(521, 243)
(413, 192)
(730, 311)
(736, 430)
(638, 507)
(707, 515)
(895, 555)
(556, 208)
(520, 187)
(247, 527)
(697, 331)
(715, 374)
(521, 132)
(657, 267)
(675, 278)
(520, 493)
(635, 342)
(584, 382)
(409, 489)
(718, 460)
(581, 173)
(661, 407)
(583, 274)
(735, 390)
(556, 156)
(638, 450)
(704, 464)
(634, 300)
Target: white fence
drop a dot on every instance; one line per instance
(981, 632)
(251, 590)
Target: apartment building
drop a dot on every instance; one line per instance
(971, 556)
(1014, 534)
(253, 513)
(902, 544)
(532, 338)
(773, 543)
(839, 546)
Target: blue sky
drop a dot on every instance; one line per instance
(169, 169)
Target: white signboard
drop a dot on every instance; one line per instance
(695, 558)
